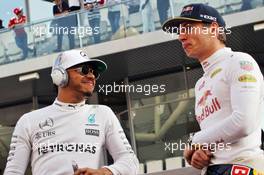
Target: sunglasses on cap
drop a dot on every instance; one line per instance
(86, 69)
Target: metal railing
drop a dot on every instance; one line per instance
(42, 35)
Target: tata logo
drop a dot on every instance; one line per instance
(240, 170)
(91, 120)
(46, 124)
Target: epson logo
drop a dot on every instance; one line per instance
(93, 132)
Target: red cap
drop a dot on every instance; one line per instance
(17, 10)
(101, 2)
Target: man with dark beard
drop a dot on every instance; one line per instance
(68, 136)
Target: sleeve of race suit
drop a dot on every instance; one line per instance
(246, 91)
(20, 149)
(125, 161)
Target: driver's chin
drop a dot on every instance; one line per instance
(190, 54)
(87, 91)
(88, 94)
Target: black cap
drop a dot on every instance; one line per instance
(194, 12)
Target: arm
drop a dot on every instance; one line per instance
(20, 149)
(11, 23)
(65, 7)
(55, 11)
(246, 98)
(24, 19)
(125, 161)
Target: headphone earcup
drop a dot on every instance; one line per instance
(59, 76)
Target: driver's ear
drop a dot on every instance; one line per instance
(214, 29)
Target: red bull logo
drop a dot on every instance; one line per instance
(187, 9)
(208, 110)
(203, 99)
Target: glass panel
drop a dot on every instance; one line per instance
(162, 123)
(17, 44)
(162, 118)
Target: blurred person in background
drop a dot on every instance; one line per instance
(17, 23)
(147, 16)
(61, 9)
(69, 136)
(1, 24)
(163, 7)
(94, 17)
(133, 6)
(229, 97)
(74, 5)
(246, 5)
(114, 7)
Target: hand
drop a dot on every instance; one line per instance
(89, 6)
(201, 158)
(90, 171)
(188, 153)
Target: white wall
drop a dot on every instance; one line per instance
(40, 9)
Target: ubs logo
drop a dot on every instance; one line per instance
(47, 124)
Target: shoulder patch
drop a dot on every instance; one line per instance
(215, 72)
(247, 78)
(246, 65)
